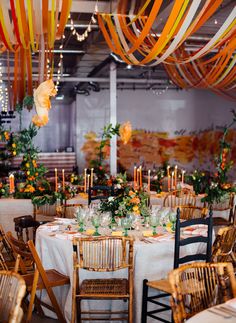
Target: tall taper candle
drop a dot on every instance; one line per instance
(176, 168)
(141, 176)
(91, 177)
(183, 172)
(172, 180)
(11, 184)
(55, 179)
(88, 184)
(85, 179)
(168, 170)
(138, 170)
(63, 180)
(135, 176)
(149, 180)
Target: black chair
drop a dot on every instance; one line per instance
(163, 285)
(25, 227)
(99, 192)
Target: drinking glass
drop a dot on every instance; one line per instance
(81, 216)
(126, 224)
(172, 219)
(154, 222)
(105, 219)
(96, 221)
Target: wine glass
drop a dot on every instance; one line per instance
(154, 222)
(105, 219)
(81, 215)
(96, 221)
(172, 219)
(126, 224)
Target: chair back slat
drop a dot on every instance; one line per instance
(184, 241)
(103, 253)
(69, 210)
(12, 291)
(180, 198)
(224, 244)
(198, 286)
(6, 245)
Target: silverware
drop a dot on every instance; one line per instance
(215, 311)
(228, 310)
(145, 240)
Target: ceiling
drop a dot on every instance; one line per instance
(86, 64)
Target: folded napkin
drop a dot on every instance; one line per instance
(147, 233)
(49, 227)
(232, 303)
(117, 233)
(197, 232)
(83, 195)
(64, 220)
(68, 235)
(90, 232)
(164, 237)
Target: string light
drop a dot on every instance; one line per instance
(60, 65)
(82, 37)
(216, 22)
(160, 92)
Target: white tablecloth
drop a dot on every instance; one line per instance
(209, 316)
(151, 260)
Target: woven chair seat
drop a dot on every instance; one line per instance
(104, 287)
(220, 221)
(162, 285)
(54, 277)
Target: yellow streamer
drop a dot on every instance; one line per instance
(5, 31)
(21, 31)
(140, 12)
(31, 29)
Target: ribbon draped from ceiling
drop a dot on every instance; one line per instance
(31, 26)
(135, 40)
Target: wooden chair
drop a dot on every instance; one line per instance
(99, 192)
(12, 291)
(47, 212)
(223, 247)
(226, 206)
(192, 212)
(179, 198)
(102, 254)
(198, 286)
(5, 247)
(69, 210)
(40, 279)
(163, 286)
(25, 227)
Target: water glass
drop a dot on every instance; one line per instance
(96, 221)
(126, 224)
(154, 222)
(81, 216)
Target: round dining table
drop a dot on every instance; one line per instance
(153, 259)
(217, 314)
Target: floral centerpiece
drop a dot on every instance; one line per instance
(127, 201)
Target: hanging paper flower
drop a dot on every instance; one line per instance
(125, 132)
(42, 102)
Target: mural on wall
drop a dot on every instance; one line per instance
(190, 150)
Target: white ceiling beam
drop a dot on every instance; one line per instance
(89, 6)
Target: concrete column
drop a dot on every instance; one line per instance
(113, 118)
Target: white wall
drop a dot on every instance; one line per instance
(192, 110)
(60, 130)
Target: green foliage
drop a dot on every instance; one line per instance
(127, 201)
(98, 164)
